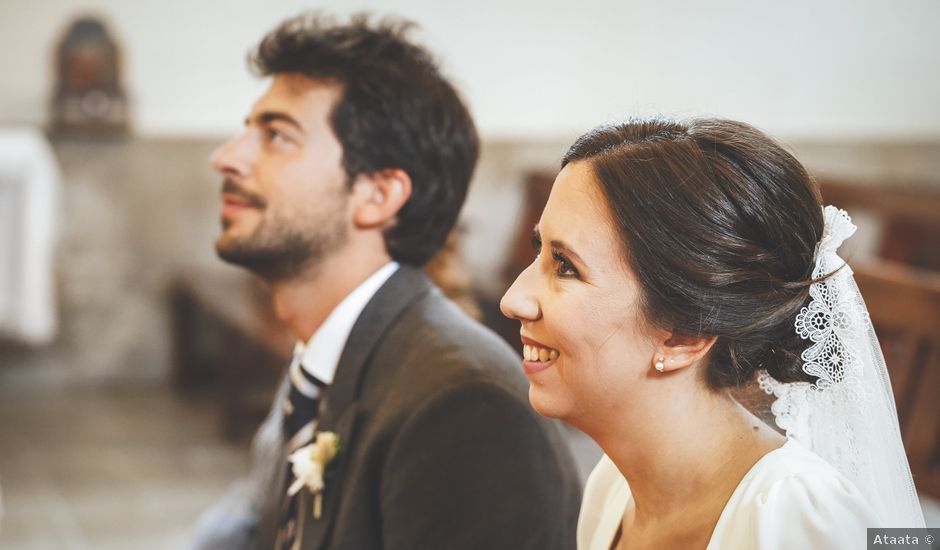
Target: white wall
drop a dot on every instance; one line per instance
(537, 69)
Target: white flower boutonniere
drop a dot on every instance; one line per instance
(308, 464)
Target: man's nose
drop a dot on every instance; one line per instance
(232, 157)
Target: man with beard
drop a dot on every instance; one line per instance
(402, 423)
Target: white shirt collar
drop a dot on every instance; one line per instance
(320, 355)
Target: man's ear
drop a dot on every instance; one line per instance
(379, 196)
(679, 352)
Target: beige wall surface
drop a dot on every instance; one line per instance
(531, 69)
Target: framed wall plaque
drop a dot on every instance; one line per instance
(89, 97)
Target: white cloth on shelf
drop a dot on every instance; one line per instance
(29, 190)
(790, 498)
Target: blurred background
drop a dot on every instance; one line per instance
(134, 366)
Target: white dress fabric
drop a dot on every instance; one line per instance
(789, 499)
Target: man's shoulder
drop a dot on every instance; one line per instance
(434, 348)
(436, 335)
(442, 395)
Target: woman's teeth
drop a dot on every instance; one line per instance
(534, 353)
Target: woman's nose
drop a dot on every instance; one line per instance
(519, 302)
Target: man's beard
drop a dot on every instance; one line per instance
(283, 254)
(279, 250)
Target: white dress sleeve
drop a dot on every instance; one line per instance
(789, 500)
(793, 499)
(812, 510)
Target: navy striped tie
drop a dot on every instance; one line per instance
(300, 410)
(300, 420)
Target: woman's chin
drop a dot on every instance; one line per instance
(546, 404)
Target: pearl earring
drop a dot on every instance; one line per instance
(660, 366)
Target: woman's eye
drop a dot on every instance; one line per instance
(537, 245)
(564, 267)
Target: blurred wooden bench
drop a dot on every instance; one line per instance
(908, 213)
(226, 339)
(904, 304)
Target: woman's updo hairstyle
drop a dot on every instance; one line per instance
(719, 223)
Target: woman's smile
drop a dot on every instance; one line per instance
(537, 356)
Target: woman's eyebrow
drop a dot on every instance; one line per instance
(558, 244)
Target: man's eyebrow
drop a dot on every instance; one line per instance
(267, 117)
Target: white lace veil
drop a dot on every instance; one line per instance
(848, 416)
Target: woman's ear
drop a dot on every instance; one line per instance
(679, 352)
(379, 196)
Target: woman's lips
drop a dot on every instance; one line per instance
(536, 356)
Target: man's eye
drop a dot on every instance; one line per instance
(271, 134)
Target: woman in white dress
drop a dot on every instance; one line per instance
(677, 261)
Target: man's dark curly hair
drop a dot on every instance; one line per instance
(396, 110)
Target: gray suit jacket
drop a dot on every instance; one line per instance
(440, 447)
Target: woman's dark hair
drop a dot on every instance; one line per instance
(720, 224)
(396, 110)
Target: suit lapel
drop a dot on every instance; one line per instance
(339, 411)
(402, 288)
